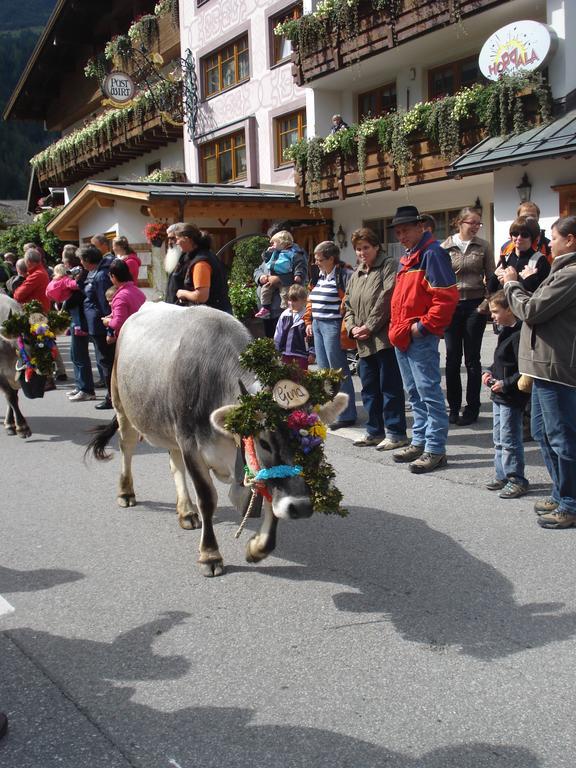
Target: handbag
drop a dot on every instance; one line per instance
(345, 341)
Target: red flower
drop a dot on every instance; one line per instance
(156, 230)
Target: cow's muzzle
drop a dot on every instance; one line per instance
(286, 507)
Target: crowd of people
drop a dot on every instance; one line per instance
(392, 315)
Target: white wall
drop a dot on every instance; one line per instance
(561, 15)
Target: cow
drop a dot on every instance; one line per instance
(176, 375)
(14, 421)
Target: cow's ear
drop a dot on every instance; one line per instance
(218, 418)
(330, 410)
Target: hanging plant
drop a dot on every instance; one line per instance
(144, 31)
(96, 67)
(119, 50)
(168, 8)
(314, 167)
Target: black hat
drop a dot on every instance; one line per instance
(406, 214)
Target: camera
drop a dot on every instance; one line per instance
(74, 272)
(491, 381)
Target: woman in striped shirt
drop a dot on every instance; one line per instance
(323, 320)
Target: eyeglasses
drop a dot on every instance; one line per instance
(521, 233)
(472, 223)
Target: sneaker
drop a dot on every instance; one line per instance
(368, 440)
(263, 314)
(392, 443)
(542, 506)
(72, 392)
(512, 490)
(557, 520)
(409, 453)
(495, 485)
(342, 424)
(80, 397)
(427, 462)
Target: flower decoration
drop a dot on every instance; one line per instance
(302, 426)
(155, 232)
(35, 333)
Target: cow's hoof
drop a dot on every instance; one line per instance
(10, 430)
(253, 553)
(189, 522)
(24, 431)
(213, 568)
(126, 500)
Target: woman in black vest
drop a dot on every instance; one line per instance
(199, 277)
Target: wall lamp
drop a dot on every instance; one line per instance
(524, 189)
(341, 238)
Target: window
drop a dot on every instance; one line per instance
(281, 46)
(447, 80)
(378, 102)
(226, 67)
(444, 227)
(289, 130)
(224, 159)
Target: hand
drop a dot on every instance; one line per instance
(528, 271)
(106, 320)
(509, 275)
(360, 332)
(311, 359)
(298, 280)
(486, 378)
(263, 280)
(414, 332)
(309, 332)
(497, 387)
(110, 339)
(180, 293)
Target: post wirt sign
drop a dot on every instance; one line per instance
(522, 46)
(119, 88)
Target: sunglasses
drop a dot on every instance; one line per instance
(521, 233)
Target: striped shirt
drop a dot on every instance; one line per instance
(325, 299)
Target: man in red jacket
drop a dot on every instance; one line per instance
(34, 286)
(424, 299)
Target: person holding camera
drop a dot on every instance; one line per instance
(507, 403)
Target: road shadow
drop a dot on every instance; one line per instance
(12, 581)
(91, 675)
(421, 580)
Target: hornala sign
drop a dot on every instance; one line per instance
(522, 46)
(119, 88)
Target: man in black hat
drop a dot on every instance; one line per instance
(424, 299)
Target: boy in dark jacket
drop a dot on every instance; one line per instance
(507, 403)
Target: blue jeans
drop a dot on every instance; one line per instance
(554, 429)
(383, 394)
(420, 369)
(508, 443)
(329, 354)
(80, 356)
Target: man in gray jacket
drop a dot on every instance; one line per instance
(548, 354)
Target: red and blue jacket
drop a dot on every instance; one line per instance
(425, 293)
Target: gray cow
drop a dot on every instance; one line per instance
(14, 422)
(176, 374)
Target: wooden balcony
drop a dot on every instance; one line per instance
(376, 34)
(140, 132)
(341, 179)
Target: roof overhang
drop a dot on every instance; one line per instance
(544, 142)
(183, 202)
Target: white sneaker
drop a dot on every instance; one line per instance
(392, 444)
(81, 396)
(72, 392)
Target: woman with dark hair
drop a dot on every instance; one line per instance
(473, 265)
(127, 299)
(123, 250)
(199, 277)
(367, 317)
(531, 265)
(546, 354)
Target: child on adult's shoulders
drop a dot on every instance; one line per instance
(507, 403)
(290, 335)
(284, 265)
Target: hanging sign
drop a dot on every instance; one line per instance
(119, 88)
(522, 46)
(289, 394)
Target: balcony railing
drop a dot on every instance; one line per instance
(110, 139)
(377, 32)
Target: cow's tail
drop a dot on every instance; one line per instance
(102, 436)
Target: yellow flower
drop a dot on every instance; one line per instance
(318, 430)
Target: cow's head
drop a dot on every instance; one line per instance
(273, 448)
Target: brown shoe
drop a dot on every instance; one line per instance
(557, 520)
(409, 453)
(427, 462)
(543, 506)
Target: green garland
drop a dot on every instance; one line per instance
(38, 336)
(258, 412)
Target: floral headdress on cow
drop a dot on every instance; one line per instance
(35, 332)
(289, 398)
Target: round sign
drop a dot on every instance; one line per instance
(522, 46)
(289, 394)
(119, 87)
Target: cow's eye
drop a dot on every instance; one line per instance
(265, 445)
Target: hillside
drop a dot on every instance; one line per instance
(20, 24)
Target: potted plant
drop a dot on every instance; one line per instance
(155, 232)
(241, 287)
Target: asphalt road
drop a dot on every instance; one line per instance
(434, 627)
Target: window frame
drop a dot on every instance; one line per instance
(378, 90)
(215, 143)
(215, 58)
(456, 67)
(293, 11)
(300, 113)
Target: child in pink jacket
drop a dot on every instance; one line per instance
(127, 299)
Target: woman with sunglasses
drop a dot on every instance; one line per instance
(531, 265)
(473, 265)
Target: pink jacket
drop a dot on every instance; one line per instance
(59, 289)
(126, 301)
(133, 263)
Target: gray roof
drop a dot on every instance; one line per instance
(201, 191)
(555, 139)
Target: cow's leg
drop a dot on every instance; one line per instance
(14, 423)
(187, 514)
(128, 439)
(264, 542)
(211, 563)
